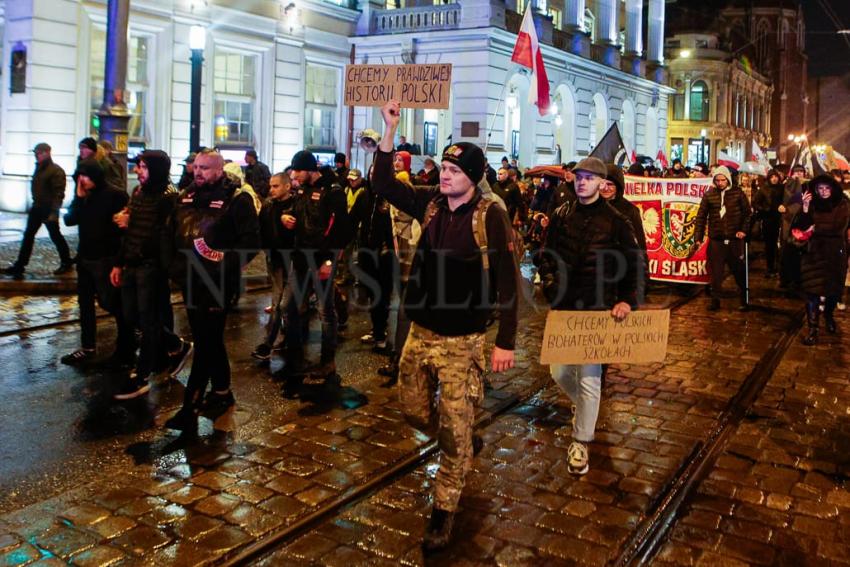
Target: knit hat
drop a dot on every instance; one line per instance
(468, 157)
(721, 170)
(591, 165)
(339, 157)
(405, 159)
(90, 143)
(636, 169)
(304, 161)
(615, 176)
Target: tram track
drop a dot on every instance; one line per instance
(278, 538)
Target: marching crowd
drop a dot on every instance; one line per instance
(447, 239)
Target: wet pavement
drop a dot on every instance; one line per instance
(99, 484)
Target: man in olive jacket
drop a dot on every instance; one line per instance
(48, 192)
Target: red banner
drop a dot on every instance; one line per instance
(668, 208)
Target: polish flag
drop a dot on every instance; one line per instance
(725, 159)
(527, 53)
(758, 155)
(662, 159)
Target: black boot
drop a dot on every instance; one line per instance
(714, 305)
(829, 317)
(390, 370)
(812, 319)
(439, 531)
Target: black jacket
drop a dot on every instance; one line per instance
(151, 206)
(215, 233)
(323, 226)
(48, 186)
(767, 200)
(824, 262)
(736, 219)
(448, 291)
(579, 240)
(258, 177)
(275, 237)
(100, 237)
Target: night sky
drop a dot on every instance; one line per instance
(829, 53)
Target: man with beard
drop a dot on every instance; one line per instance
(456, 280)
(214, 234)
(143, 278)
(322, 230)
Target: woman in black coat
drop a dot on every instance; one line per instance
(822, 225)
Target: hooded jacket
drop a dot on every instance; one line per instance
(150, 207)
(100, 237)
(725, 212)
(824, 263)
(769, 197)
(627, 208)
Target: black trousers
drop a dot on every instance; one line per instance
(93, 285)
(770, 234)
(210, 363)
(721, 255)
(39, 216)
(382, 270)
(790, 272)
(141, 298)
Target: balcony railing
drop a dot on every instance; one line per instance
(420, 18)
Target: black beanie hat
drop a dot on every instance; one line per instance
(91, 169)
(304, 161)
(159, 166)
(339, 157)
(90, 143)
(468, 157)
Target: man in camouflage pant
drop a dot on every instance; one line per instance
(463, 269)
(456, 365)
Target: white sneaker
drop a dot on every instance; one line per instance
(577, 462)
(367, 338)
(841, 306)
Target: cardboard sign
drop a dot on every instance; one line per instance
(594, 337)
(414, 86)
(668, 210)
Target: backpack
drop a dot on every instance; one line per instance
(479, 229)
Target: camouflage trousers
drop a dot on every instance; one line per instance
(443, 373)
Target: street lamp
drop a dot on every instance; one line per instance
(702, 133)
(197, 42)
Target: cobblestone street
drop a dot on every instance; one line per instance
(337, 478)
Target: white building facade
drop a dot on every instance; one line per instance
(274, 72)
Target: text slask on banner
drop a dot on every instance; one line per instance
(595, 337)
(413, 86)
(668, 209)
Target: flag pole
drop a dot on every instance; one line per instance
(493, 118)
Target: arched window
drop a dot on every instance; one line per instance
(783, 37)
(650, 137)
(598, 119)
(699, 101)
(565, 123)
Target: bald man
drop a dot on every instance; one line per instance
(215, 234)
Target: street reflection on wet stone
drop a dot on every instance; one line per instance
(106, 484)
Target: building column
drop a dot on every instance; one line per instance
(114, 116)
(655, 43)
(632, 62)
(606, 49)
(579, 43)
